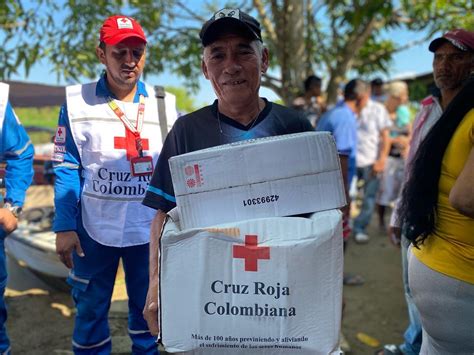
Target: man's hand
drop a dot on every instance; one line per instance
(346, 210)
(66, 243)
(150, 311)
(378, 167)
(8, 221)
(395, 235)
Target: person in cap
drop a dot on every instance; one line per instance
(233, 60)
(436, 211)
(17, 152)
(106, 145)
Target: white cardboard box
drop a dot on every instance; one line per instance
(221, 293)
(267, 177)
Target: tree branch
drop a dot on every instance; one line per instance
(267, 24)
(271, 78)
(272, 86)
(323, 53)
(193, 14)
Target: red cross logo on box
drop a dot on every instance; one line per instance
(251, 252)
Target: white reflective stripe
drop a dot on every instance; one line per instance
(130, 331)
(112, 120)
(66, 165)
(78, 279)
(100, 197)
(18, 152)
(4, 89)
(7, 352)
(91, 346)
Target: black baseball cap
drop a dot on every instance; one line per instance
(230, 21)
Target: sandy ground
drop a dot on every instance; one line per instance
(41, 317)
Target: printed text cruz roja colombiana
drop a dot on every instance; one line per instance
(255, 309)
(258, 288)
(115, 183)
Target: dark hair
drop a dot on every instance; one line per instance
(102, 45)
(420, 195)
(354, 89)
(376, 82)
(311, 81)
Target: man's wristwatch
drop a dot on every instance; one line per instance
(15, 210)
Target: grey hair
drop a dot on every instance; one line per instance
(258, 44)
(397, 88)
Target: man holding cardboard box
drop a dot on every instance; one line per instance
(234, 60)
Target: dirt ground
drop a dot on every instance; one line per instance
(41, 317)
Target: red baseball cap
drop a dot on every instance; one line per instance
(117, 28)
(460, 38)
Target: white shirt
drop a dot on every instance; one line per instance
(373, 119)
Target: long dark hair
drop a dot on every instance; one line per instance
(420, 195)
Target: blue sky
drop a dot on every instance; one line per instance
(414, 60)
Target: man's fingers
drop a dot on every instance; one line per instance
(395, 236)
(150, 313)
(79, 250)
(66, 259)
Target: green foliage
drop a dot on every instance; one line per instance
(418, 91)
(185, 103)
(42, 117)
(337, 36)
(22, 35)
(439, 15)
(374, 56)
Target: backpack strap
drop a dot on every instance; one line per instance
(160, 97)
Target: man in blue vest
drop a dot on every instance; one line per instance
(107, 139)
(17, 151)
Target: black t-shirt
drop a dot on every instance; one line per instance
(206, 128)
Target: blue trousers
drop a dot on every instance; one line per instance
(371, 186)
(413, 334)
(92, 279)
(4, 341)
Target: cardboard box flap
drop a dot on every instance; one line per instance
(253, 161)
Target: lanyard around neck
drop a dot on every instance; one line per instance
(121, 115)
(128, 125)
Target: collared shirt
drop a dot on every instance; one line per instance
(102, 90)
(342, 123)
(373, 119)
